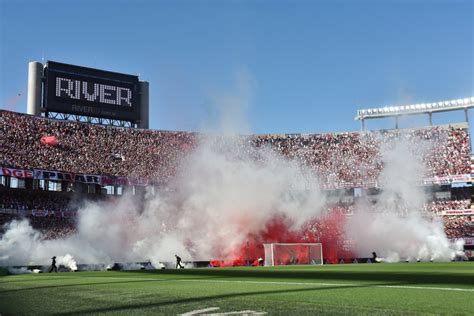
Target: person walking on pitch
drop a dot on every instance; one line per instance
(178, 262)
(53, 265)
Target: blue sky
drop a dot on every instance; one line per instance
(290, 66)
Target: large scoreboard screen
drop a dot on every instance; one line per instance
(91, 92)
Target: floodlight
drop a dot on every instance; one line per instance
(418, 108)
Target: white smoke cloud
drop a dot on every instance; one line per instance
(395, 225)
(68, 261)
(219, 197)
(231, 108)
(222, 193)
(22, 270)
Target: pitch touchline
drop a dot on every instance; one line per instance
(425, 287)
(284, 283)
(334, 284)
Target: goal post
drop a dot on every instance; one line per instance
(293, 253)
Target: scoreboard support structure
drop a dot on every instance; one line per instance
(35, 81)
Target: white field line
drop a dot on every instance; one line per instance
(212, 309)
(425, 287)
(334, 284)
(267, 282)
(281, 283)
(304, 283)
(199, 311)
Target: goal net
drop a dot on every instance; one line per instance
(293, 253)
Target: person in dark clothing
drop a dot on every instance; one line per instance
(53, 265)
(178, 262)
(374, 257)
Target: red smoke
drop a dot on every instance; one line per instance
(327, 230)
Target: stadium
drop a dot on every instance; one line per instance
(236, 157)
(106, 193)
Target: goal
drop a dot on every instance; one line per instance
(293, 253)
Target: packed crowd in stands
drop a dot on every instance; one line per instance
(34, 200)
(46, 203)
(444, 205)
(52, 227)
(90, 149)
(343, 157)
(458, 226)
(104, 150)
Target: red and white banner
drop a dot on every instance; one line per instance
(458, 178)
(124, 181)
(110, 180)
(17, 173)
(139, 181)
(73, 177)
(66, 176)
(467, 211)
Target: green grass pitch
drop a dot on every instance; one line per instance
(394, 289)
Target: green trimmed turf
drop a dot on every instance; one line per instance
(406, 288)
